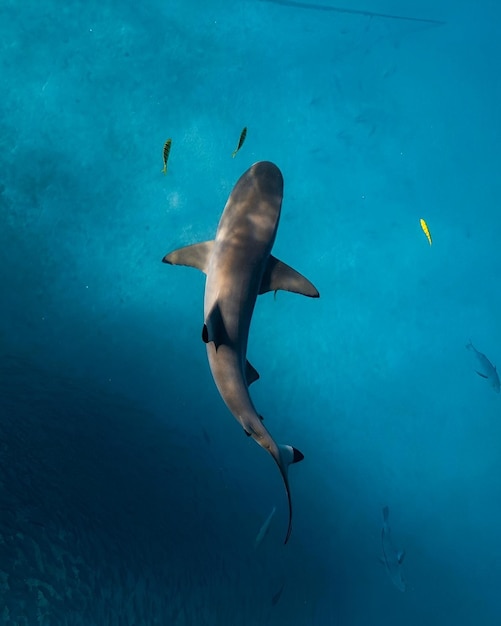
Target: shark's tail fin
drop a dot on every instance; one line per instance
(286, 456)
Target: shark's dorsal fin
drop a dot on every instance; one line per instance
(251, 374)
(278, 275)
(400, 556)
(196, 256)
(214, 329)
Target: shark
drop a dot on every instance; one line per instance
(239, 266)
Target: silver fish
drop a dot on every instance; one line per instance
(263, 531)
(485, 368)
(392, 558)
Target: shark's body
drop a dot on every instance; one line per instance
(239, 266)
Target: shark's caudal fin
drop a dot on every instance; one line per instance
(278, 275)
(196, 256)
(286, 456)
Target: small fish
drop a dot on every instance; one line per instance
(485, 368)
(167, 146)
(277, 596)
(243, 135)
(426, 230)
(206, 436)
(392, 559)
(263, 531)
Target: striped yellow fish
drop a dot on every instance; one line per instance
(243, 135)
(167, 146)
(426, 230)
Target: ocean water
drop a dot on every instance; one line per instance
(128, 493)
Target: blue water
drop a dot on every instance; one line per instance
(128, 493)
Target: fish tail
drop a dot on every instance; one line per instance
(469, 345)
(287, 455)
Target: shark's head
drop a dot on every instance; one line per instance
(253, 209)
(259, 189)
(268, 178)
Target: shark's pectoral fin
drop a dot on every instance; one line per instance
(482, 375)
(400, 556)
(251, 374)
(278, 275)
(214, 329)
(196, 256)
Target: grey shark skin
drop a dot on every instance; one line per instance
(239, 266)
(392, 559)
(485, 368)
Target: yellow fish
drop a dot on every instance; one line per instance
(426, 231)
(167, 146)
(243, 135)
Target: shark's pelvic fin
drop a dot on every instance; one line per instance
(251, 374)
(196, 256)
(214, 329)
(278, 275)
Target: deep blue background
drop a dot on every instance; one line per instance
(128, 493)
